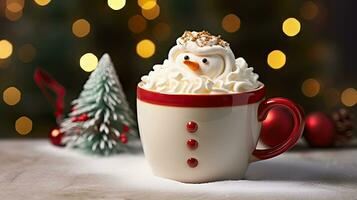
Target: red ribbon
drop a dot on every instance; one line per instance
(45, 81)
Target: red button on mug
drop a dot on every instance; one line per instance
(192, 162)
(192, 144)
(191, 126)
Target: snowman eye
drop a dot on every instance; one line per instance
(186, 57)
(205, 60)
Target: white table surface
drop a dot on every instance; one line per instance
(34, 169)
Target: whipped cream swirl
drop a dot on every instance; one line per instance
(170, 78)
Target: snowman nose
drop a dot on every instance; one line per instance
(192, 65)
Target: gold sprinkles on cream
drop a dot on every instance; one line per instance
(202, 38)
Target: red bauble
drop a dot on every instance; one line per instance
(276, 127)
(56, 137)
(319, 130)
(123, 138)
(81, 118)
(126, 128)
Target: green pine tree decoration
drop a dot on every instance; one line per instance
(101, 121)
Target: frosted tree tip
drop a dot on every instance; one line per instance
(105, 60)
(105, 56)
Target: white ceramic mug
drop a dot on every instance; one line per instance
(202, 138)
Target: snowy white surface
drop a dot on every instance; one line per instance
(37, 170)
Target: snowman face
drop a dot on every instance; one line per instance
(207, 65)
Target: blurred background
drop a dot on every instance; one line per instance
(302, 49)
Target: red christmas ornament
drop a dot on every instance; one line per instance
(123, 138)
(126, 128)
(191, 126)
(192, 162)
(75, 119)
(81, 118)
(56, 137)
(320, 130)
(276, 127)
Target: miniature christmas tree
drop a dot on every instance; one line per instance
(101, 121)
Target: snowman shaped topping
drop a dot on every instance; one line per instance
(201, 63)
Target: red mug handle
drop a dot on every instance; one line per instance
(298, 121)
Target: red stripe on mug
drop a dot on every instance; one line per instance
(201, 100)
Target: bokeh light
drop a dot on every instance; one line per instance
(161, 31)
(14, 8)
(231, 23)
(152, 13)
(55, 132)
(23, 125)
(310, 87)
(81, 28)
(147, 4)
(116, 4)
(13, 16)
(5, 49)
(42, 2)
(276, 59)
(15, 5)
(11, 96)
(137, 24)
(349, 97)
(26, 53)
(145, 48)
(291, 27)
(309, 10)
(88, 62)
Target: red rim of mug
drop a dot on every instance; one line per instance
(201, 100)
